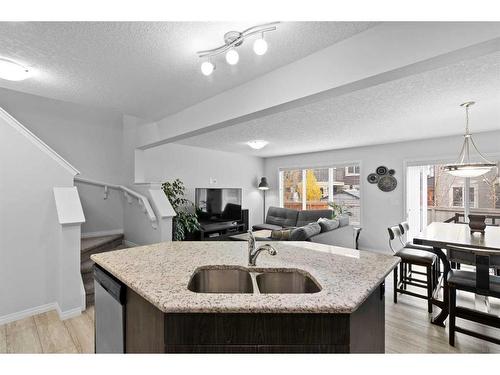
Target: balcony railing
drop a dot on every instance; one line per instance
(450, 215)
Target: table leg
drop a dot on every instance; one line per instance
(443, 315)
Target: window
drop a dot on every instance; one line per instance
(292, 189)
(352, 170)
(315, 188)
(432, 194)
(458, 196)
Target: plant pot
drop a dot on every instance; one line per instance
(477, 223)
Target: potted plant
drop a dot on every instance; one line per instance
(338, 209)
(186, 220)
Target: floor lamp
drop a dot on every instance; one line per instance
(263, 185)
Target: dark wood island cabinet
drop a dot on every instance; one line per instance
(149, 330)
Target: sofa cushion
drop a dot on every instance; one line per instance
(310, 216)
(304, 232)
(281, 235)
(327, 224)
(342, 236)
(266, 226)
(283, 217)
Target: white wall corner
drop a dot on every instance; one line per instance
(69, 298)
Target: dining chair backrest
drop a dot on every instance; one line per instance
(395, 233)
(463, 255)
(483, 259)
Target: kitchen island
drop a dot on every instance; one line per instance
(202, 297)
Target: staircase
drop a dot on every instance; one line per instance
(91, 246)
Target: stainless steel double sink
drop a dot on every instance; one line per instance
(210, 279)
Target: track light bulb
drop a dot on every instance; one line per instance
(207, 68)
(232, 57)
(260, 46)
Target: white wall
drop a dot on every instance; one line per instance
(378, 209)
(29, 229)
(195, 166)
(89, 138)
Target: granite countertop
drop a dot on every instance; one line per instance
(161, 272)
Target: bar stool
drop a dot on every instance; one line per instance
(405, 228)
(478, 282)
(409, 257)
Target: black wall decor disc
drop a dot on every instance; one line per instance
(381, 170)
(372, 178)
(392, 172)
(387, 183)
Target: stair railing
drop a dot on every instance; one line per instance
(128, 194)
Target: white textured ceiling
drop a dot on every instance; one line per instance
(149, 69)
(416, 107)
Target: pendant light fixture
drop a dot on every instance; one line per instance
(464, 167)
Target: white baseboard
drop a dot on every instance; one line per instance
(40, 310)
(102, 233)
(63, 315)
(129, 243)
(28, 312)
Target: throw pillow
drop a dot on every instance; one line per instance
(281, 235)
(305, 232)
(327, 224)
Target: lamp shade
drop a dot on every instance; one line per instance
(263, 185)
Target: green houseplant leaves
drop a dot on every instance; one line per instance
(186, 220)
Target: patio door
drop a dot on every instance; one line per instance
(416, 198)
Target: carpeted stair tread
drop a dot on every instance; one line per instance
(88, 244)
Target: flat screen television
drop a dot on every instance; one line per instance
(218, 204)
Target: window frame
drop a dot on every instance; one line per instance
(462, 186)
(331, 167)
(347, 173)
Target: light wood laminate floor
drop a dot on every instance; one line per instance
(408, 330)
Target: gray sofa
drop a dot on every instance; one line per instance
(284, 218)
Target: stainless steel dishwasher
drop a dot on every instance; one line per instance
(109, 313)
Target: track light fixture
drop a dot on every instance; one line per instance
(234, 39)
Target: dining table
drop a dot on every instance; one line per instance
(437, 236)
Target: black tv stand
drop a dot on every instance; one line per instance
(220, 231)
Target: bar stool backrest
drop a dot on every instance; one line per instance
(483, 260)
(404, 227)
(394, 233)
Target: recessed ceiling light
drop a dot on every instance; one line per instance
(257, 144)
(12, 71)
